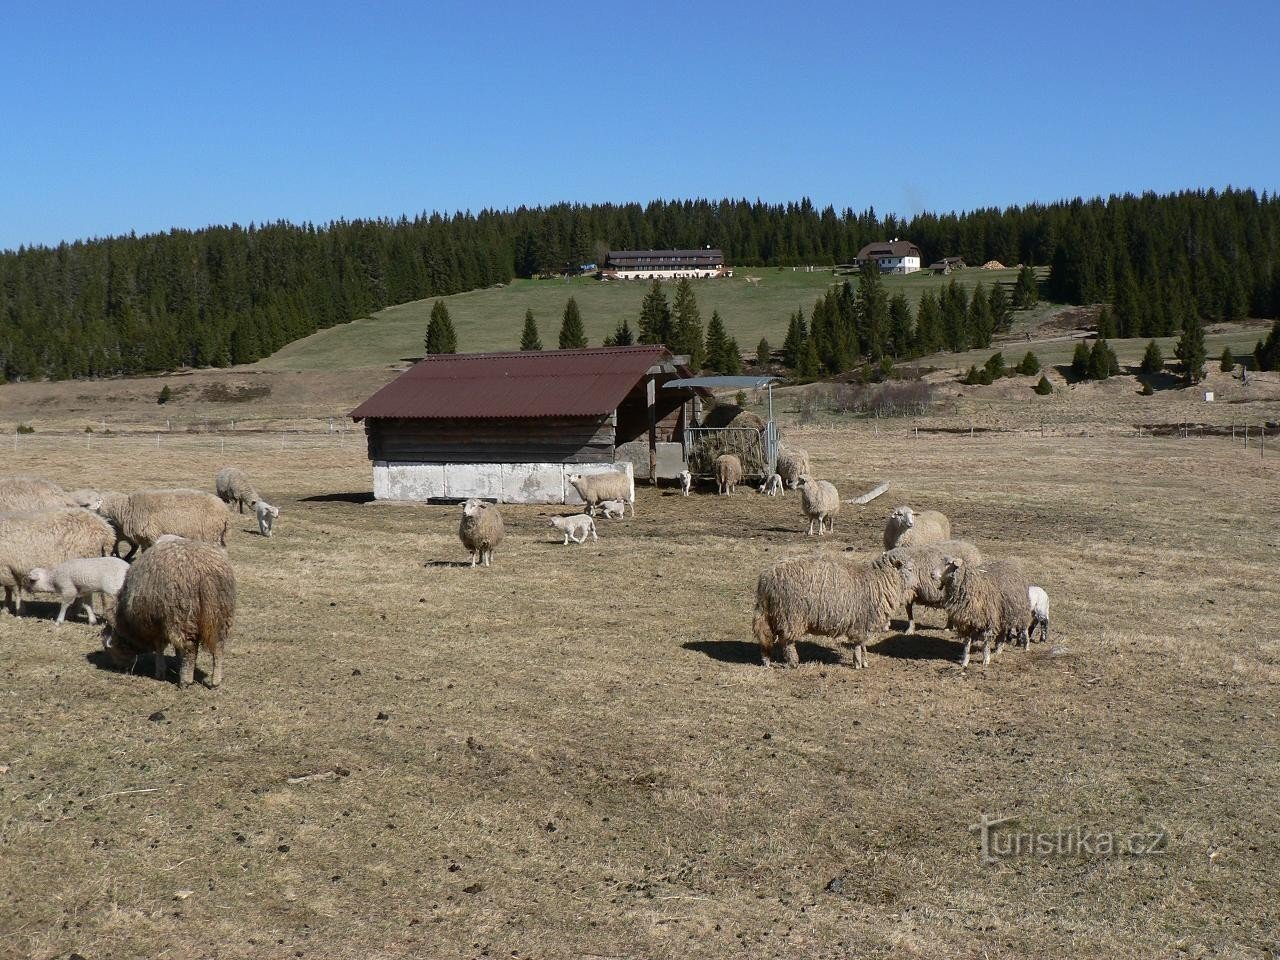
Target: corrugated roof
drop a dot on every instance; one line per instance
(533, 383)
(895, 248)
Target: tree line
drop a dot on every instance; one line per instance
(233, 294)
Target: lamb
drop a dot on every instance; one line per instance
(481, 530)
(686, 482)
(1039, 601)
(576, 527)
(46, 538)
(233, 486)
(181, 592)
(911, 528)
(773, 486)
(613, 485)
(78, 580)
(25, 494)
(925, 588)
(86, 497)
(728, 473)
(792, 465)
(140, 518)
(830, 596)
(613, 509)
(984, 603)
(820, 502)
(267, 515)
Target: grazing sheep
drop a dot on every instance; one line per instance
(911, 528)
(613, 509)
(46, 538)
(773, 486)
(613, 485)
(820, 502)
(830, 596)
(266, 515)
(180, 592)
(233, 486)
(78, 580)
(481, 530)
(984, 603)
(1039, 601)
(925, 587)
(576, 528)
(25, 494)
(140, 518)
(728, 473)
(86, 497)
(686, 482)
(792, 465)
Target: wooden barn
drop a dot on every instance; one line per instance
(513, 427)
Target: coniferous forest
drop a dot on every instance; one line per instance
(225, 295)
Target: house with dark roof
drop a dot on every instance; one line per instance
(664, 264)
(512, 427)
(895, 256)
(947, 264)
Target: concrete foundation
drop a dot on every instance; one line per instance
(503, 482)
(670, 458)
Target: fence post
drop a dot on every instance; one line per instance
(1246, 436)
(1262, 445)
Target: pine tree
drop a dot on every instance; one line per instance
(1266, 355)
(1228, 362)
(1080, 361)
(732, 358)
(1103, 363)
(995, 366)
(1029, 365)
(764, 355)
(980, 324)
(1026, 292)
(1128, 313)
(955, 318)
(621, 336)
(717, 345)
(872, 310)
(1106, 323)
(687, 323)
(1152, 359)
(797, 336)
(655, 316)
(1043, 387)
(572, 334)
(1191, 350)
(440, 337)
(928, 338)
(809, 366)
(1001, 309)
(900, 332)
(529, 339)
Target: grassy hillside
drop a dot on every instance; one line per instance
(491, 319)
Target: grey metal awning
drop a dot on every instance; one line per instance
(722, 383)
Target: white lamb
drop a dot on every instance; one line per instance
(686, 482)
(266, 516)
(613, 509)
(576, 528)
(76, 581)
(1039, 614)
(773, 486)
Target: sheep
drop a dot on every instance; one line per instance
(25, 494)
(686, 482)
(78, 580)
(792, 465)
(986, 602)
(1039, 602)
(266, 515)
(181, 592)
(911, 528)
(928, 558)
(826, 595)
(613, 485)
(576, 527)
(86, 497)
(773, 486)
(728, 473)
(820, 501)
(233, 486)
(481, 530)
(46, 538)
(140, 518)
(613, 509)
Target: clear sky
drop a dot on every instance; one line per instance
(122, 116)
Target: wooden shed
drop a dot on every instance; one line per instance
(513, 426)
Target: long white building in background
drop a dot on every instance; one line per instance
(895, 256)
(665, 264)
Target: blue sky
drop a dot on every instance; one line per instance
(127, 116)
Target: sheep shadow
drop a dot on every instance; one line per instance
(48, 610)
(358, 497)
(916, 646)
(447, 563)
(142, 666)
(741, 651)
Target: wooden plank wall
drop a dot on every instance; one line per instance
(541, 440)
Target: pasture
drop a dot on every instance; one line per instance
(575, 753)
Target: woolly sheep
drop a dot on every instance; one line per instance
(820, 502)
(613, 509)
(686, 482)
(728, 473)
(911, 528)
(612, 485)
(266, 515)
(830, 596)
(181, 592)
(576, 528)
(46, 538)
(481, 530)
(140, 518)
(773, 486)
(792, 465)
(78, 580)
(984, 603)
(1039, 602)
(86, 497)
(925, 587)
(25, 494)
(233, 486)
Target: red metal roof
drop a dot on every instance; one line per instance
(533, 383)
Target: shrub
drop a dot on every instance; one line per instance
(1228, 362)
(895, 398)
(763, 353)
(741, 398)
(88, 429)
(1044, 387)
(1146, 390)
(26, 428)
(1029, 365)
(995, 366)
(165, 395)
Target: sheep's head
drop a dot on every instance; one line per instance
(39, 580)
(473, 507)
(904, 517)
(945, 574)
(123, 648)
(576, 477)
(268, 510)
(803, 479)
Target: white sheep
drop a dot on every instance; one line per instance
(913, 528)
(1039, 601)
(613, 509)
(576, 528)
(267, 515)
(686, 482)
(611, 485)
(773, 486)
(78, 580)
(820, 502)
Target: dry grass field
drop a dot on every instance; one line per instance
(575, 753)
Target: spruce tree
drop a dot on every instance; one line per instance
(955, 318)
(928, 336)
(980, 324)
(763, 353)
(1102, 361)
(797, 335)
(1026, 292)
(529, 339)
(1130, 321)
(809, 365)
(1228, 361)
(687, 322)
(572, 334)
(1266, 355)
(655, 316)
(1106, 323)
(872, 310)
(995, 366)
(1029, 365)
(440, 337)
(621, 336)
(732, 358)
(717, 346)
(1152, 359)
(1080, 361)
(900, 333)
(1001, 309)
(1043, 387)
(1191, 350)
